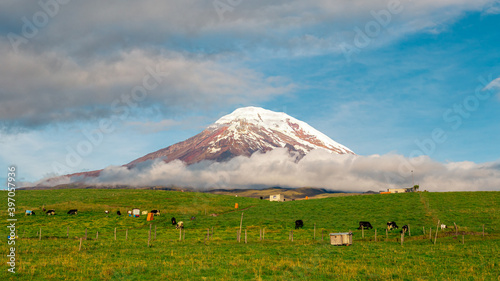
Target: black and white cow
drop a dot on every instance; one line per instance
(404, 229)
(51, 212)
(174, 222)
(155, 212)
(299, 224)
(106, 212)
(180, 225)
(73, 212)
(365, 225)
(392, 225)
(118, 213)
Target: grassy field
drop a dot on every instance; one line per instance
(309, 257)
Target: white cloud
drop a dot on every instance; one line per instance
(50, 87)
(317, 169)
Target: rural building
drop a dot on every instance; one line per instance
(341, 238)
(397, 190)
(277, 197)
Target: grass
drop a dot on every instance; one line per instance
(57, 257)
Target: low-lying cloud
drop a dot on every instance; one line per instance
(350, 173)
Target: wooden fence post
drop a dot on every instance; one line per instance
(126, 234)
(292, 235)
(430, 233)
(402, 237)
(241, 224)
(456, 229)
(463, 239)
(423, 229)
(435, 237)
(245, 236)
(409, 230)
(483, 230)
(149, 235)
(115, 233)
(85, 234)
(80, 248)
(97, 234)
(40, 233)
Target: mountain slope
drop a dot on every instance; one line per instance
(243, 132)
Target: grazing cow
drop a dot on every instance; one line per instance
(106, 212)
(193, 218)
(299, 224)
(180, 225)
(365, 225)
(29, 213)
(404, 229)
(443, 226)
(392, 225)
(155, 212)
(72, 212)
(51, 212)
(119, 213)
(174, 222)
(261, 198)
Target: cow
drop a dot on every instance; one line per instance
(193, 218)
(29, 213)
(365, 225)
(174, 222)
(392, 225)
(106, 212)
(155, 212)
(118, 213)
(73, 212)
(299, 224)
(51, 212)
(404, 229)
(443, 226)
(180, 225)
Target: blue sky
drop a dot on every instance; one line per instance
(432, 65)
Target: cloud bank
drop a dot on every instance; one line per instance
(348, 173)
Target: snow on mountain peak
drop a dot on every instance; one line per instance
(254, 122)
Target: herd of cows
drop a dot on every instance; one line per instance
(178, 225)
(390, 226)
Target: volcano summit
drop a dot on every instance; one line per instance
(243, 132)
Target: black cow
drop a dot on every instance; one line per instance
(72, 212)
(174, 222)
(119, 213)
(299, 224)
(392, 225)
(404, 229)
(155, 212)
(365, 225)
(51, 212)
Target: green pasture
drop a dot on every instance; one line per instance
(191, 255)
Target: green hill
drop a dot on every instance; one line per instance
(55, 254)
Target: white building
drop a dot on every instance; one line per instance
(277, 197)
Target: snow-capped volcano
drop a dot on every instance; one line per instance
(245, 131)
(241, 133)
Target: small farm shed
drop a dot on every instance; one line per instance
(136, 213)
(341, 238)
(277, 197)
